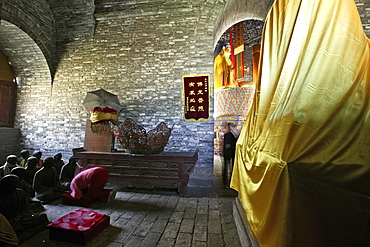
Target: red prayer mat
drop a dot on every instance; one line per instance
(79, 226)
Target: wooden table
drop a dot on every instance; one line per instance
(168, 170)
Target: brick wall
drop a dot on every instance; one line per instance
(10, 143)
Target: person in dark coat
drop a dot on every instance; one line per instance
(46, 183)
(22, 184)
(15, 207)
(229, 154)
(31, 169)
(58, 163)
(68, 172)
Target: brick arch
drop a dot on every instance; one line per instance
(36, 19)
(27, 59)
(239, 10)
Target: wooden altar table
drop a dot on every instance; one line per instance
(168, 170)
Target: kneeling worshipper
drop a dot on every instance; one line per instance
(8, 237)
(91, 183)
(15, 207)
(46, 183)
(11, 162)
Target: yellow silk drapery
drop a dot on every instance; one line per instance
(302, 165)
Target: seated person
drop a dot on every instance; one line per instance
(24, 156)
(35, 205)
(31, 169)
(38, 155)
(11, 162)
(68, 172)
(46, 183)
(16, 209)
(58, 163)
(91, 183)
(22, 184)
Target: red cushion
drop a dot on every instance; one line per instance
(79, 226)
(84, 201)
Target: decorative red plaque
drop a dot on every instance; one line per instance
(196, 97)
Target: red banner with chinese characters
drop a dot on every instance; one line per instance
(196, 97)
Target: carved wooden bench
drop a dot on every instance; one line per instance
(169, 170)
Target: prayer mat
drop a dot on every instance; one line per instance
(78, 227)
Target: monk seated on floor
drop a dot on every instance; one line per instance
(17, 210)
(88, 186)
(46, 182)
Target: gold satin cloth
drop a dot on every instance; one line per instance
(302, 166)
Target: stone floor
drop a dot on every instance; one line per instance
(203, 217)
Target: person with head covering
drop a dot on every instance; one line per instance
(35, 205)
(11, 162)
(68, 172)
(223, 67)
(58, 163)
(46, 182)
(90, 183)
(22, 184)
(38, 155)
(31, 169)
(15, 207)
(24, 156)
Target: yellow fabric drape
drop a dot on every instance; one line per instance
(7, 234)
(302, 165)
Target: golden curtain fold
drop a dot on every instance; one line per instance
(303, 158)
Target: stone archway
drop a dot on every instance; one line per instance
(30, 69)
(253, 13)
(26, 57)
(239, 10)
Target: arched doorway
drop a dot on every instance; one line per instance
(232, 103)
(252, 13)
